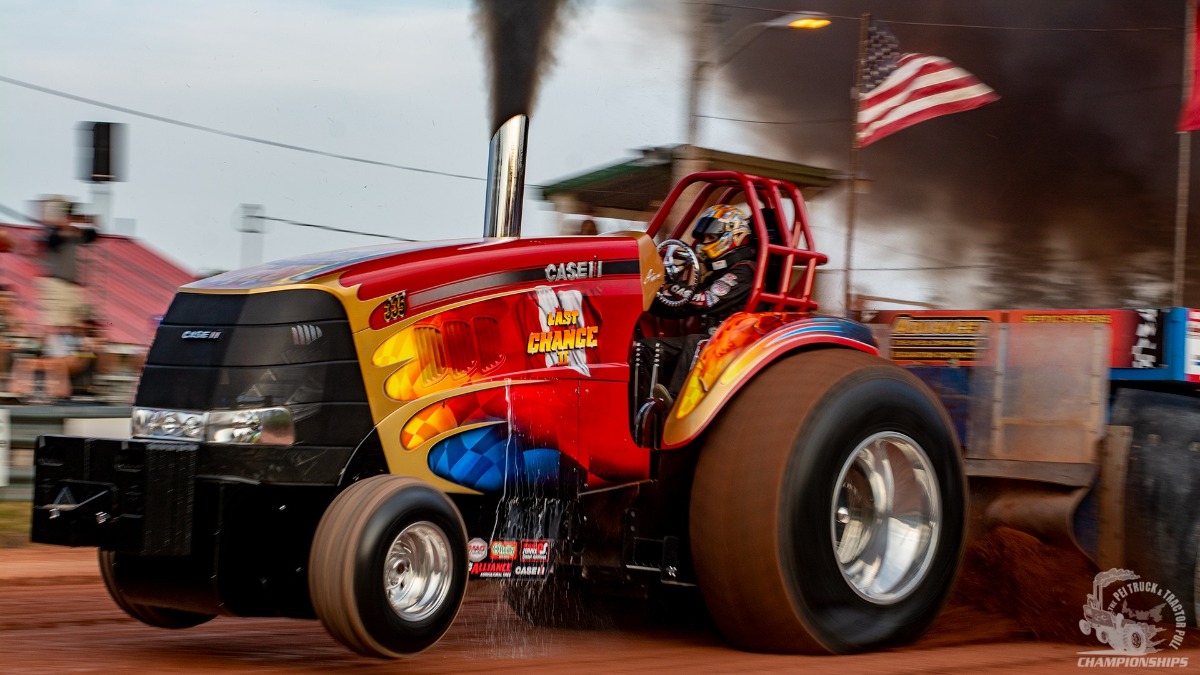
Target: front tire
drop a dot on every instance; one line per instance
(388, 568)
(159, 617)
(827, 514)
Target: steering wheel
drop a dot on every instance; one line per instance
(682, 268)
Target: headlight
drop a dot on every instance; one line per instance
(266, 426)
(261, 426)
(172, 424)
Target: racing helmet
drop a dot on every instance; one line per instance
(720, 230)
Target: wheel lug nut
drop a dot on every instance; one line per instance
(843, 515)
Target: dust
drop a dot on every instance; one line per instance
(1039, 587)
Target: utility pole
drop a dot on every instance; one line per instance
(1182, 194)
(252, 226)
(852, 197)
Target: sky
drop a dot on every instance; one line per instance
(403, 83)
(1066, 179)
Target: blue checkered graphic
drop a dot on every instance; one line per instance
(476, 459)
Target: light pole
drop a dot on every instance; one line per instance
(706, 61)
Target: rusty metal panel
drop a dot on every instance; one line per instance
(1040, 393)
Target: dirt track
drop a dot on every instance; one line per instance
(56, 617)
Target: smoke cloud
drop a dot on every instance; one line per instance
(519, 35)
(1061, 193)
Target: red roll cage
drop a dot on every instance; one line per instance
(785, 251)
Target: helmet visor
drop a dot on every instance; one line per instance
(707, 226)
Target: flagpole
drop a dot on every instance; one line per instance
(852, 198)
(1185, 160)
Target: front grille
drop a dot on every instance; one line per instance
(288, 348)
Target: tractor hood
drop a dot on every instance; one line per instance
(421, 276)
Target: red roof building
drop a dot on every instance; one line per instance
(127, 285)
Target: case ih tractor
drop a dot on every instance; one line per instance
(356, 436)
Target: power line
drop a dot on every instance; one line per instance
(1037, 29)
(331, 229)
(841, 120)
(17, 214)
(228, 134)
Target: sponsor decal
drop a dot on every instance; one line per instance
(504, 550)
(497, 570)
(533, 570)
(563, 317)
(938, 338)
(1066, 318)
(201, 335)
(585, 337)
(394, 307)
(574, 271)
(1146, 352)
(564, 338)
(719, 288)
(907, 325)
(477, 549)
(1136, 618)
(535, 550)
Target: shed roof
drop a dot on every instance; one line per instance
(127, 285)
(640, 184)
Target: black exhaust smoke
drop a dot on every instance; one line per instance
(519, 34)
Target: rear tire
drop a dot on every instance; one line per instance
(388, 566)
(1135, 640)
(802, 488)
(159, 617)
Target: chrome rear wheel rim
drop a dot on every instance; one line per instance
(885, 517)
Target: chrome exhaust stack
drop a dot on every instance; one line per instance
(506, 179)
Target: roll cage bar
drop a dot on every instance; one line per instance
(786, 260)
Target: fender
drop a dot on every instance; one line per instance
(743, 345)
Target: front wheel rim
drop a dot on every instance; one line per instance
(417, 571)
(885, 517)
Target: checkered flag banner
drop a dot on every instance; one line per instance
(900, 90)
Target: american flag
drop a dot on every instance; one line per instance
(1189, 118)
(900, 90)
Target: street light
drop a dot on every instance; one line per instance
(722, 54)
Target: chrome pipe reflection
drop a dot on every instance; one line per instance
(506, 179)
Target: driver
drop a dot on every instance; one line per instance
(721, 236)
(721, 241)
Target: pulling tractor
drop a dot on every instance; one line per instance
(358, 436)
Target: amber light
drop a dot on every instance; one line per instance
(809, 22)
